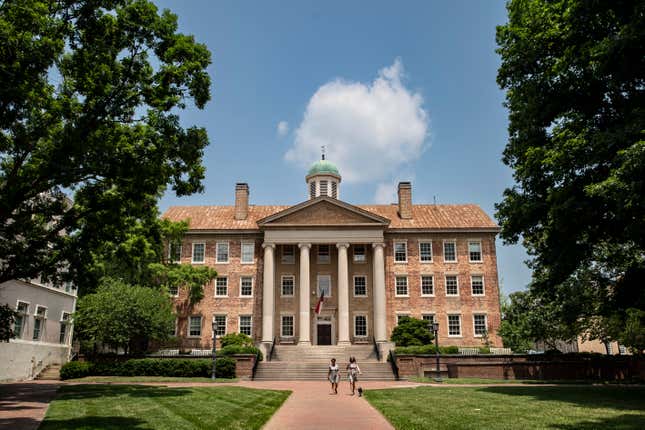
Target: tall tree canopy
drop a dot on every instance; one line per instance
(574, 75)
(90, 95)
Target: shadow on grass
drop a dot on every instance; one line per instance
(620, 422)
(610, 397)
(95, 422)
(93, 391)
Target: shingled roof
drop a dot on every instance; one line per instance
(424, 217)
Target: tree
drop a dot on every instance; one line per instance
(411, 331)
(89, 103)
(573, 71)
(125, 316)
(7, 317)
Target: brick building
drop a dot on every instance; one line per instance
(374, 263)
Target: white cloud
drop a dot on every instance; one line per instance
(283, 128)
(370, 130)
(385, 193)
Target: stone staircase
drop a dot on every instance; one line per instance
(50, 373)
(310, 363)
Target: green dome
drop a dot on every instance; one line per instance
(322, 167)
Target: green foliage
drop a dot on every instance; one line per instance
(90, 102)
(412, 331)
(7, 317)
(224, 366)
(573, 72)
(233, 349)
(124, 316)
(426, 349)
(633, 333)
(236, 339)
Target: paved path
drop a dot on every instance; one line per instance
(23, 405)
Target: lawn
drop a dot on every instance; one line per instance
(157, 407)
(483, 381)
(534, 407)
(146, 379)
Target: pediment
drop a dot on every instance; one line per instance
(323, 211)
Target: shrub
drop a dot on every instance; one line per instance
(75, 369)
(236, 339)
(426, 349)
(240, 349)
(412, 331)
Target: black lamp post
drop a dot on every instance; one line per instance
(435, 328)
(214, 351)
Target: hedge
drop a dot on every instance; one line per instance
(225, 368)
(232, 349)
(426, 349)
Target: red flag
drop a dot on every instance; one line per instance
(320, 302)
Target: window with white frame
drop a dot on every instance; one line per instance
(360, 325)
(39, 321)
(220, 324)
(400, 252)
(174, 252)
(286, 327)
(288, 254)
(22, 311)
(323, 188)
(450, 251)
(475, 251)
(65, 319)
(323, 254)
(359, 253)
(195, 326)
(246, 325)
(477, 285)
(360, 286)
(425, 252)
(401, 286)
(173, 331)
(198, 252)
(452, 288)
(248, 253)
(173, 290)
(288, 282)
(221, 286)
(324, 284)
(454, 325)
(429, 318)
(399, 317)
(427, 285)
(479, 324)
(246, 286)
(221, 252)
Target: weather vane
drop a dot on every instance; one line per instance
(322, 148)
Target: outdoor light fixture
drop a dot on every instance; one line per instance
(214, 347)
(435, 328)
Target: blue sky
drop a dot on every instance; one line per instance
(423, 72)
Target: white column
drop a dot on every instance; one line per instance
(343, 295)
(378, 264)
(268, 293)
(305, 294)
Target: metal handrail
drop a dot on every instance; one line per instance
(395, 368)
(270, 357)
(255, 366)
(376, 350)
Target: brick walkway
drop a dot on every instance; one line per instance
(23, 405)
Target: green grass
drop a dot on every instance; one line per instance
(146, 379)
(483, 381)
(569, 408)
(152, 407)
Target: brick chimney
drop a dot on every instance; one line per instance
(405, 200)
(241, 200)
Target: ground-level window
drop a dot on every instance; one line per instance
(477, 284)
(198, 252)
(246, 286)
(221, 286)
(360, 325)
(360, 286)
(450, 251)
(248, 252)
(425, 252)
(400, 252)
(400, 317)
(245, 325)
(429, 318)
(287, 285)
(479, 322)
(22, 311)
(286, 328)
(195, 326)
(401, 285)
(427, 285)
(452, 289)
(475, 251)
(64, 323)
(39, 321)
(220, 324)
(324, 285)
(454, 325)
